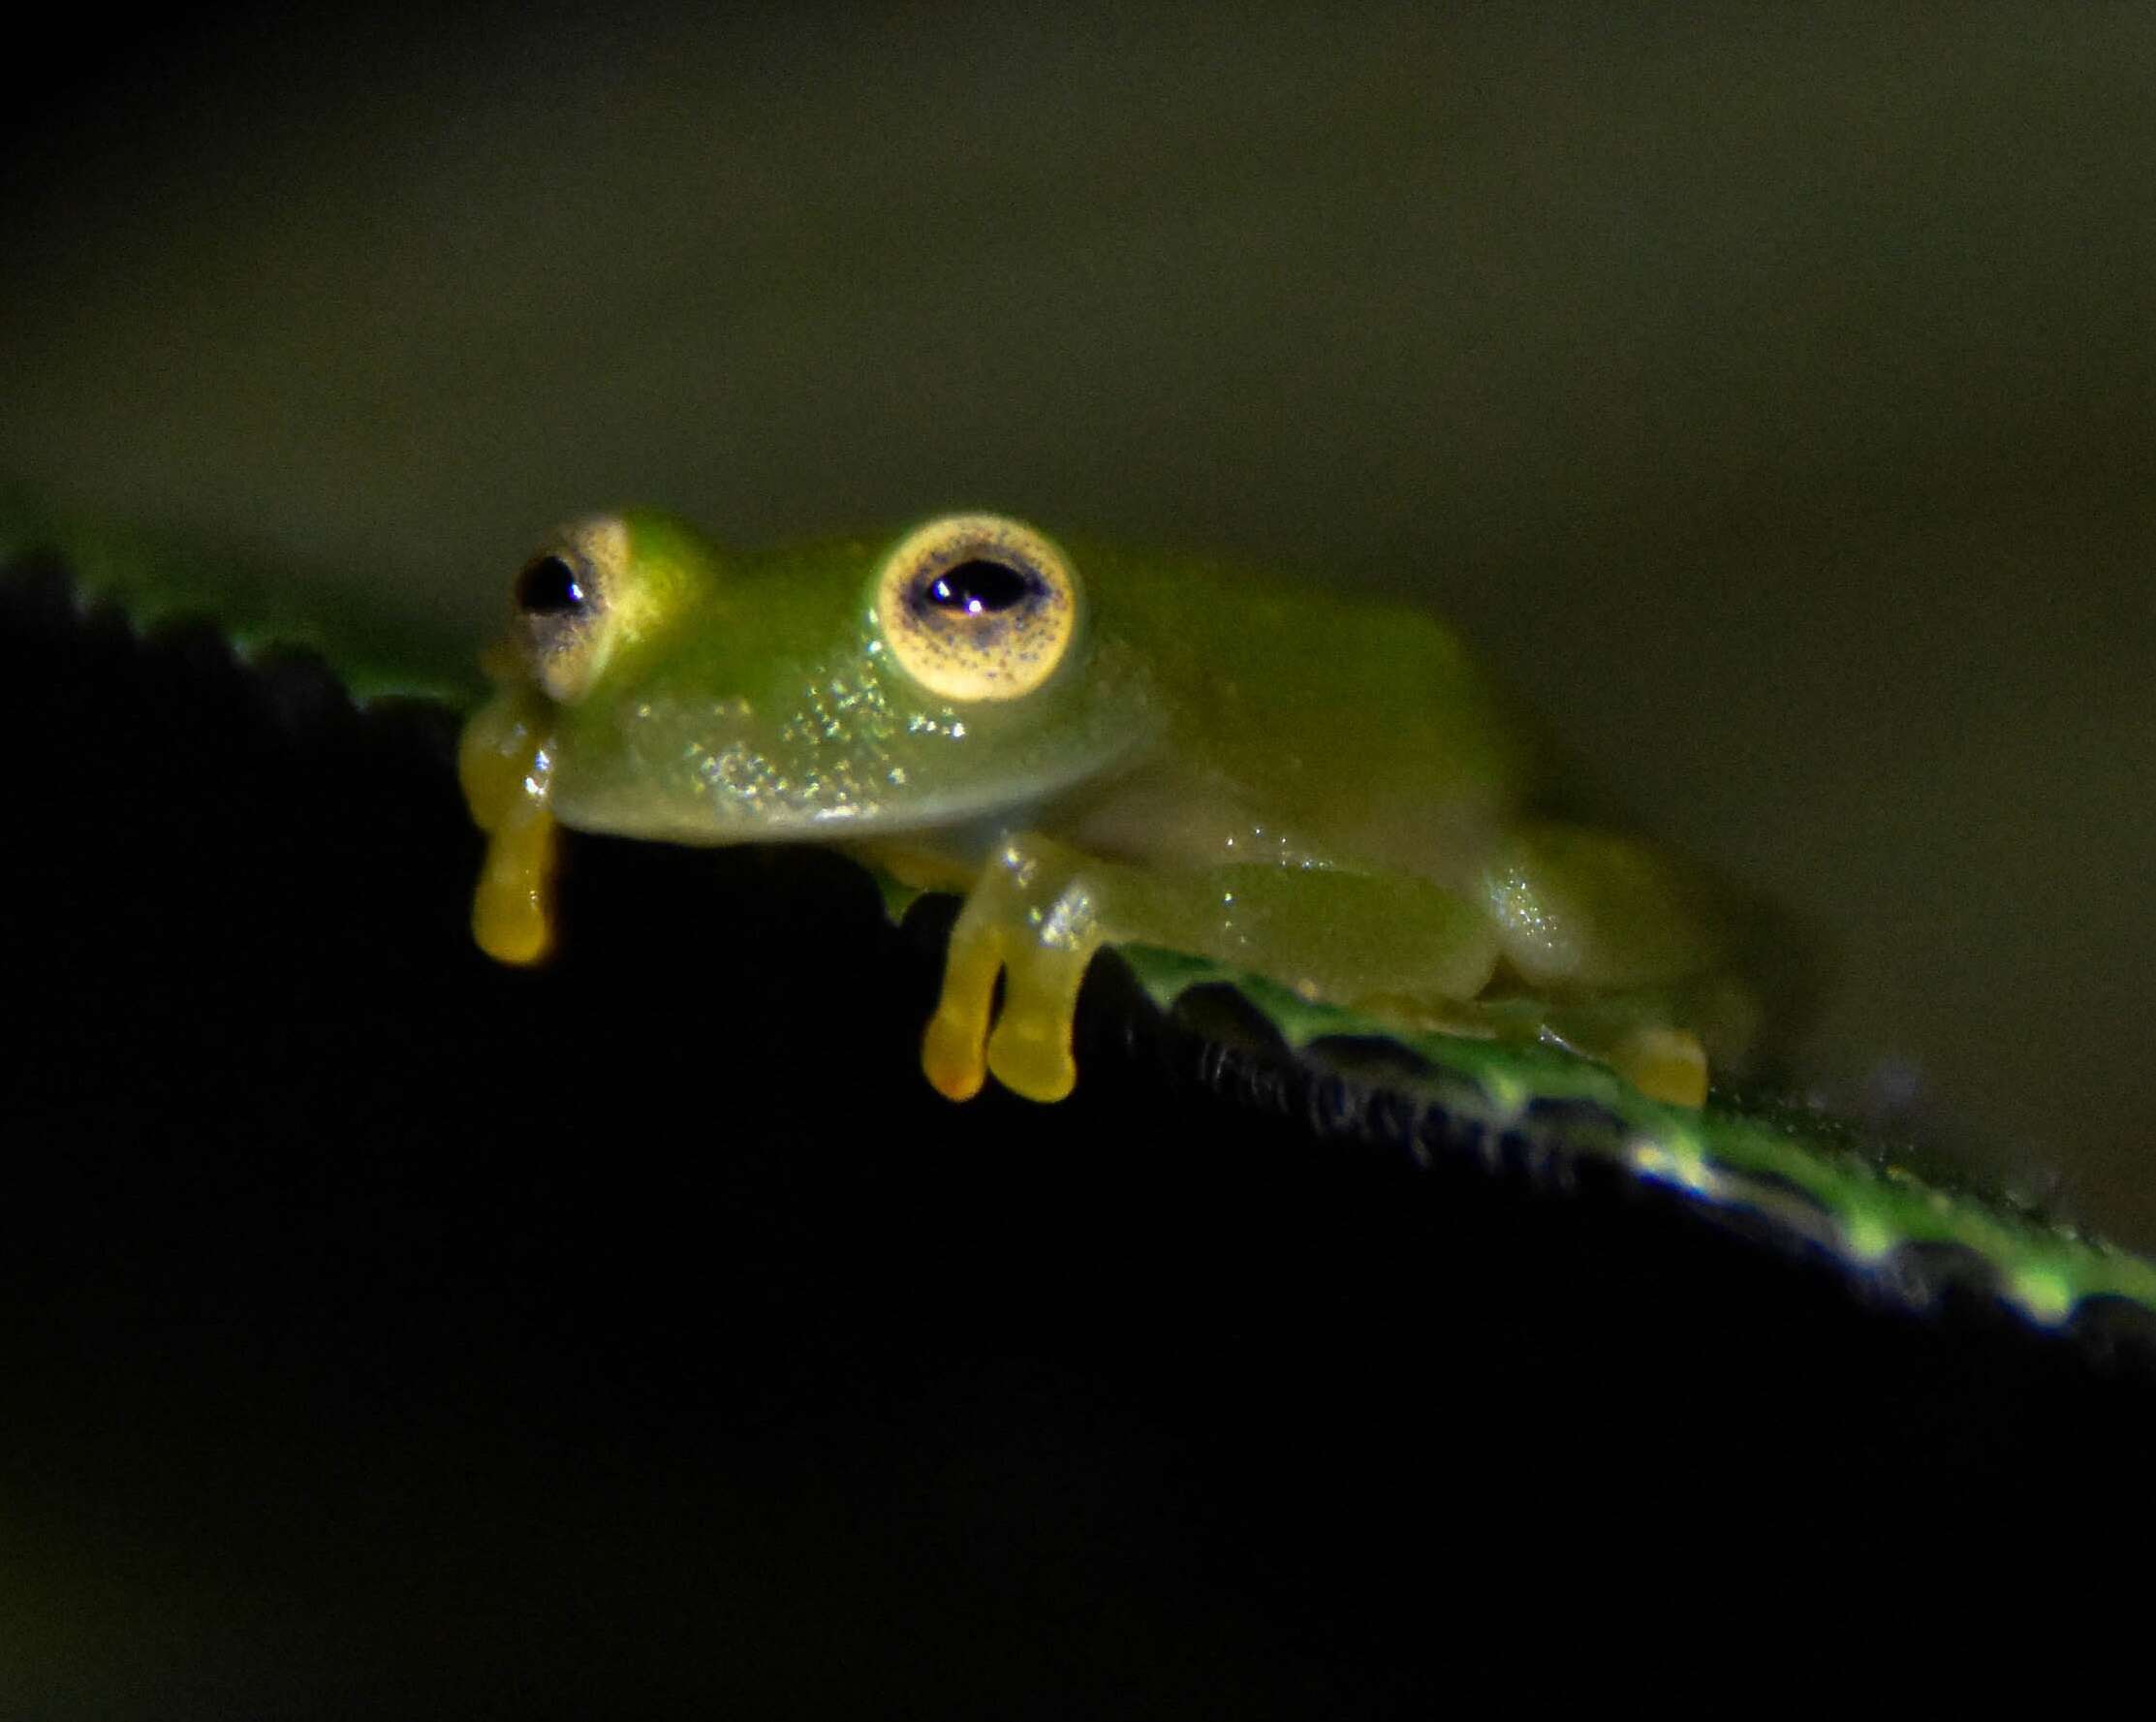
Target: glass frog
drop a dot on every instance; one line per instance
(1094, 748)
(1318, 804)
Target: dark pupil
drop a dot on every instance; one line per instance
(977, 587)
(548, 587)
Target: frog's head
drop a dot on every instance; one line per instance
(687, 694)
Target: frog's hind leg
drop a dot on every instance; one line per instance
(1625, 947)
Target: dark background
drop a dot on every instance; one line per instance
(1771, 400)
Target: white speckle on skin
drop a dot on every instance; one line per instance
(1070, 920)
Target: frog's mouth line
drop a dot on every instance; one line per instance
(748, 800)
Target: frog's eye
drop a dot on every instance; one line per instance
(564, 597)
(976, 607)
(550, 586)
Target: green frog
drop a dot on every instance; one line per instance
(1094, 748)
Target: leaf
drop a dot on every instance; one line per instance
(1805, 1178)
(377, 649)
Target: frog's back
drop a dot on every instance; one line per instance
(1353, 719)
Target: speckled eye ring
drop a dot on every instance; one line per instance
(564, 597)
(978, 607)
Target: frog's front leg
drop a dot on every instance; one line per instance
(1041, 910)
(504, 764)
(1033, 916)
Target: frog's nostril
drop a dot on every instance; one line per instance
(547, 587)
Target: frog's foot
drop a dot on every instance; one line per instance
(1034, 925)
(1665, 1064)
(1637, 1038)
(513, 916)
(955, 1051)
